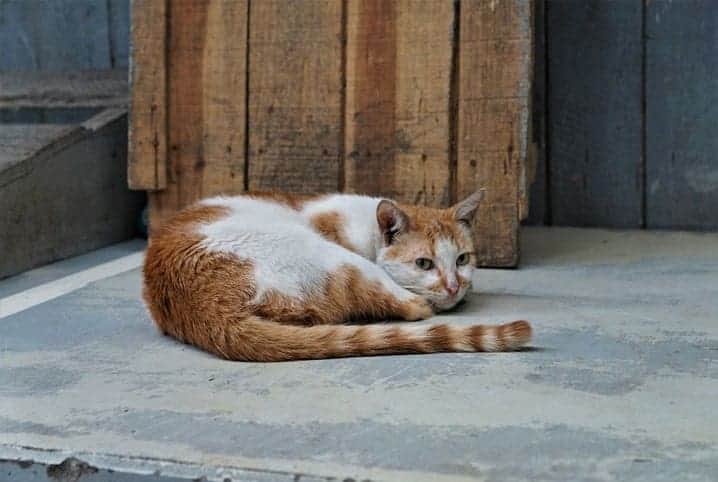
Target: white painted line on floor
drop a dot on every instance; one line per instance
(54, 289)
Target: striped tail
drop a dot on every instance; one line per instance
(257, 339)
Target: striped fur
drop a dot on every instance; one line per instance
(256, 339)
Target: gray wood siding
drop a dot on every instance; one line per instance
(682, 114)
(538, 200)
(594, 103)
(627, 91)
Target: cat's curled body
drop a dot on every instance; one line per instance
(271, 277)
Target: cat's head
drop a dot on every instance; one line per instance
(429, 251)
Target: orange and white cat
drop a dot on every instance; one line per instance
(272, 277)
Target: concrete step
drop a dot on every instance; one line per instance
(63, 168)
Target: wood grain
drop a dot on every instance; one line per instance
(399, 58)
(224, 76)
(595, 113)
(185, 163)
(146, 164)
(295, 105)
(494, 73)
(206, 103)
(538, 203)
(369, 96)
(681, 113)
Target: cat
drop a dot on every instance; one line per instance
(276, 277)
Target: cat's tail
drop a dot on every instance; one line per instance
(257, 339)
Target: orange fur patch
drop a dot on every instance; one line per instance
(329, 225)
(294, 201)
(426, 226)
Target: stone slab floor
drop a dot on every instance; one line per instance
(621, 382)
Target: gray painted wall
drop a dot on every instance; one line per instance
(59, 35)
(625, 99)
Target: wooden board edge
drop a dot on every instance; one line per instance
(528, 147)
(147, 133)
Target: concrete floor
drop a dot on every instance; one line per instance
(621, 383)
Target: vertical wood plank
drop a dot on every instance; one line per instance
(398, 90)
(295, 102)
(595, 112)
(147, 154)
(224, 102)
(187, 33)
(681, 113)
(54, 35)
(538, 206)
(494, 76)
(370, 98)
(206, 103)
(527, 167)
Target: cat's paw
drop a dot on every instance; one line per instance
(417, 309)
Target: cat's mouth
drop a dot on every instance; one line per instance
(446, 302)
(440, 300)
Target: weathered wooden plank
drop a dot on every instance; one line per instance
(527, 168)
(370, 137)
(681, 113)
(224, 103)
(187, 20)
(494, 76)
(54, 35)
(595, 112)
(399, 58)
(119, 25)
(295, 102)
(64, 188)
(206, 103)
(538, 205)
(147, 168)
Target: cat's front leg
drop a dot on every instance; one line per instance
(417, 309)
(398, 302)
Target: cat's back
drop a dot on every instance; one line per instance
(232, 224)
(254, 227)
(349, 219)
(270, 239)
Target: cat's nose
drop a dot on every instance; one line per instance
(452, 287)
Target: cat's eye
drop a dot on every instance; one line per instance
(424, 263)
(463, 259)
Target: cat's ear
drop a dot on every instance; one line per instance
(391, 219)
(465, 210)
